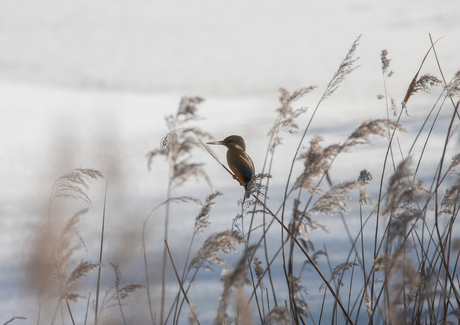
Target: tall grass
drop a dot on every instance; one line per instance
(400, 264)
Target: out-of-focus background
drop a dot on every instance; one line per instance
(88, 84)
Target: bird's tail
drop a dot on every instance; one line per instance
(247, 189)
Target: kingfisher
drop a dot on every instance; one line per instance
(238, 160)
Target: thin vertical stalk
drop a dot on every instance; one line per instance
(165, 251)
(87, 307)
(70, 312)
(100, 256)
(147, 273)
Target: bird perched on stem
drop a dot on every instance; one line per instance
(238, 160)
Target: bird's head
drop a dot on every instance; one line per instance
(231, 142)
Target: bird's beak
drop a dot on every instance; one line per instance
(216, 142)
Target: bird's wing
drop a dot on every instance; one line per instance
(252, 164)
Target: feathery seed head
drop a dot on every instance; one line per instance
(219, 242)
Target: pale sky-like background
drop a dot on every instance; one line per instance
(88, 83)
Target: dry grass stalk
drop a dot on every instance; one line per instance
(397, 181)
(369, 306)
(301, 223)
(403, 282)
(424, 83)
(455, 162)
(453, 87)
(234, 278)
(192, 317)
(123, 292)
(201, 220)
(287, 115)
(177, 145)
(451, 198)
(52, 262)
(74, 184)
(219, 242)
(346, 67)
(402, 222)
(334, 201)
(385, 64)
(259, 270)
(243, 309)
(63, 256)
(380, 263)
(338, 271)
(278, 315)
(373, 127)
(53, 255)
(410, 89)
(180, 284)
(298, 292)
(364, 178)
(317, 161)
(82, 269)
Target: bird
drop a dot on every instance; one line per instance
(237, 159)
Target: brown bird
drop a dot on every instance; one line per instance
(238, 160)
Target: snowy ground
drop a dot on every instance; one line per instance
(88, 83)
